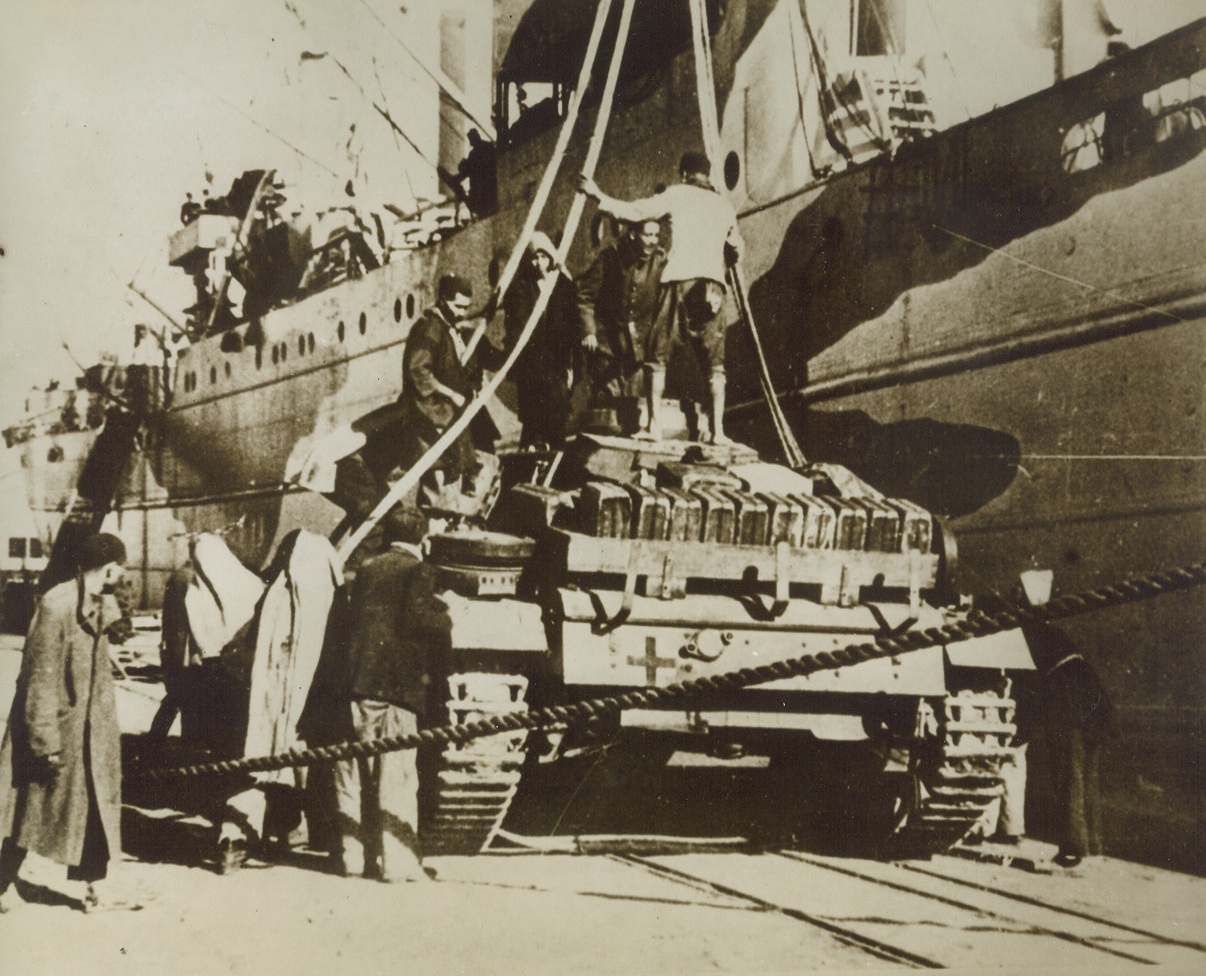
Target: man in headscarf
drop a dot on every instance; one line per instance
(543, 371)
(60, 762)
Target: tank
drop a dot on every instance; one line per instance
(617, 564)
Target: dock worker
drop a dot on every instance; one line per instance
(480, 168)
(544, 369)
(436, 384)
(1074, 714)
(60, 762)
(703, 240)
(396, 659)
(617, 305)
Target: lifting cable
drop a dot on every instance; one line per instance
(454, 430)
(710, 124)
(550, 173)
(888, 645)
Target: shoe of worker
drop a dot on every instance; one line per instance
(104, 898)
(11, 900)
(232, 855)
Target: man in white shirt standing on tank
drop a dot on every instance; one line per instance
(703, 240)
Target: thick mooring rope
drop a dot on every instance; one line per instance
(976, 625)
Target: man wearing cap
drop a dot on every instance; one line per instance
(60, 762)
(544, 368)
(617, 303)
(703, 239)
(396, 656)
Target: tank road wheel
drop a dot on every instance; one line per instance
(466, 789)
(954, 771)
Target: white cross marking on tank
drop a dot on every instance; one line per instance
(651, 661)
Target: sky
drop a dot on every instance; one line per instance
(110, 110)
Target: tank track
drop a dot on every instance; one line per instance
(955, 771)
(467, 788)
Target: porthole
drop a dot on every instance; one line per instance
(284, 351)
(213, 375)
(310, 341)
(397, 310)
(410, 305)
(226, 366)
(55, 454)
(339, 331)
(301, 345)
(259, 357)
(732, 170)
(363, 323)
(276, 355)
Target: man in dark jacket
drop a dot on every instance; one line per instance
(60, 762)
(178, 660)
(1070, 706)
(436, 384)
(396, 650)
(617, 304)
(542, 371)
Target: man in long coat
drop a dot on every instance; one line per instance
(617, 303)
(437, 384)
(542, 371)
(60, 762)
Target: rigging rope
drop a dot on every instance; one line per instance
(411, 478)
(795, 24)
(888, 645)
(710, 124)
(1059, 277)
(550, 172)
(445, 84)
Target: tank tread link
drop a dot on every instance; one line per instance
(957, 772)
(470, 785)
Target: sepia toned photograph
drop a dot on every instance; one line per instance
(602, 486)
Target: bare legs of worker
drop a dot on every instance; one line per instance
(716, 387)
(654, 398)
